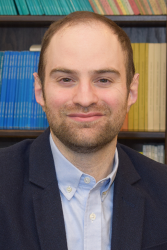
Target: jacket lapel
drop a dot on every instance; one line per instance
(128, 207)
(46, 196)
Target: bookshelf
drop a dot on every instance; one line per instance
(20, 32)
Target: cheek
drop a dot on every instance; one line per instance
(57, 98)
(115, 98)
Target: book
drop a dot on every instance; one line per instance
(118, 7)
(163, 6)
(162, 119)
(150, 87)
(141, 86)
(122, 7)
(156, 85)
(140, 7)
(107, 7)
(146, 89)
(134, 7)
(146, 7)
(113, 7)
(128, 6)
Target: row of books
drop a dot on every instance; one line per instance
(64, 7)
(43, 7)
(155, 152)
(129, 7)
(19, 110)
(18, 107)
(149, 112)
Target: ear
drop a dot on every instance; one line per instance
(133, 93)
(38, 91)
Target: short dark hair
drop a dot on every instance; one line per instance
(82, 17)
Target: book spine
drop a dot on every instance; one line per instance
(146, 7)
(17, 91)
(118, 7)
(134, 7)
(1, 71)
(4, 87)
(163, 5)
(150, 86)
(159, 7)
(120, 3)
(141, 85)
(156, 67)
(146, 89)
(8, 90)
(128, 6)
(107, 7)
(140, 7)
(153, 5)
(163, 87)
(100, 7)
(113, 7)
(16, 54)
(93, 6)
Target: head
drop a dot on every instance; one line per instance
(88, 17)
(82, 82)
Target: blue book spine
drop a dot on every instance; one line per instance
(1, 71)
(17, 92)
(30, 95)
(26, 90)
(22, 85)
(8, 90)
(14, 84)
(4, 88)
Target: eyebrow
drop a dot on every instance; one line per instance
(69, 71)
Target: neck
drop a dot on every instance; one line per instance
(97, 164)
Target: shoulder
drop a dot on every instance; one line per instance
(149, 170)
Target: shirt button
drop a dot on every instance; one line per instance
(69, 189)
(87, 180)
(104, 193)
(92, 216)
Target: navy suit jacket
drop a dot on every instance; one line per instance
(31, 216)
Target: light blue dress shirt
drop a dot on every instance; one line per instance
(87, 205)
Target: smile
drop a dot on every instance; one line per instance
(81, 117)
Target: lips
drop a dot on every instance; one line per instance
(88, 117)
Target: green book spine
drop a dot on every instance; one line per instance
(65, 8)
(24, 7)
(45, 7)
(113, 7)
(18, 7)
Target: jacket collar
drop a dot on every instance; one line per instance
(46, 197)
(128, 206)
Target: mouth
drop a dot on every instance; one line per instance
(88, 117)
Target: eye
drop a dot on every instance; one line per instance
(66, 82)
(103, 82)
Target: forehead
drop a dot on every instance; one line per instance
(93, 42)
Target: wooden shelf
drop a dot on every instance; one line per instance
(122, 134)
(42, 21)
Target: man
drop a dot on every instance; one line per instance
(74, 187)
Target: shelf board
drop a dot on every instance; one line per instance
(41, 21)
(122, 134)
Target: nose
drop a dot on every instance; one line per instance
(85, 94)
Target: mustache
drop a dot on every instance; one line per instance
(77, 108)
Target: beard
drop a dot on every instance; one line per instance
(85, 137)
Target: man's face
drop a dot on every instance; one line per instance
(85, 93)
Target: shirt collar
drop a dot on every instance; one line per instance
(69, 176)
